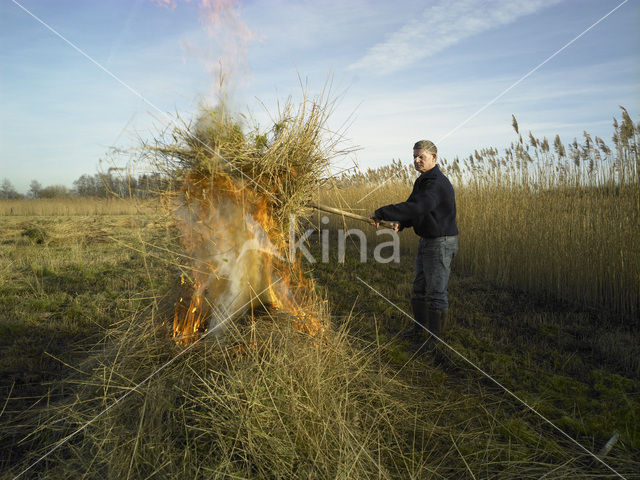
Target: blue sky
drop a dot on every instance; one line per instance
(401, 71)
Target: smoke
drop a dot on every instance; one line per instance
(229, 250)
(224, 55)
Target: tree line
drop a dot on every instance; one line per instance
(99, 185)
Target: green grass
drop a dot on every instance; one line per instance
(57, 299)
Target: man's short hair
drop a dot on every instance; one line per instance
(427, 145)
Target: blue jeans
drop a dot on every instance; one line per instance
(433, 266)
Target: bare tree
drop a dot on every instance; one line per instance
(7, 190)
(35, 187)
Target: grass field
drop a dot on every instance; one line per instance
(541, 363)
(85, 303)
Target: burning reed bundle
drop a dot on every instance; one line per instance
(237, 196)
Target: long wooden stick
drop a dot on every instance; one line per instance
(355, 216)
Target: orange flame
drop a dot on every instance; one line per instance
(237, 250)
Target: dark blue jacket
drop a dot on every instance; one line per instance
(430, 209)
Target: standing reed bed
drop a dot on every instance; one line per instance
(560, 221)
(73, 206)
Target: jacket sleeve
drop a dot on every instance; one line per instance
(410, 212)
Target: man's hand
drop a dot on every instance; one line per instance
(395, 226)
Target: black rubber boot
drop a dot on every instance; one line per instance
(444, 323)
(435, 323)
(419, 307)
(439, 321)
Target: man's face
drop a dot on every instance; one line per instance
(423, 160)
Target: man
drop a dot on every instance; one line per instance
(431, 211)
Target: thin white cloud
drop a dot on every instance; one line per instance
(565, 102)
(441, 26)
